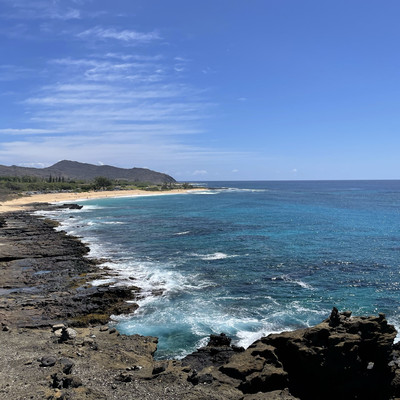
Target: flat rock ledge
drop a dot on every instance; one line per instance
(56, 340)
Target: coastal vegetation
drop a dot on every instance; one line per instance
(13, 186)
(73, 176)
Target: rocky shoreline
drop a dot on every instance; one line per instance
(56, 341)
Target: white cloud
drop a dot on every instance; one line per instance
(181, 59)
(14, 72)
(122, 107)
(158, 154)
(200, 172)
(42, 9)
(67, 14)
(34, 165)
(28, 131)
(136, 57)
(100, 70)
(123, 35)
(207, 70)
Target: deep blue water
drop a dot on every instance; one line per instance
(256, 258)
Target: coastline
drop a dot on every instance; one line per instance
(57, 342)
(24, 203)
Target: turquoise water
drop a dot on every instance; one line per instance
(250, 259)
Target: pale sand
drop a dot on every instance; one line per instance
(23, 203)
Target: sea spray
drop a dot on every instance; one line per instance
(258, 258)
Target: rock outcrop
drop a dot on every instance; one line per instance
(45, 277)
(343, 357)
(54, 341)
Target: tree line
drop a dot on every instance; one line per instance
(20, 184)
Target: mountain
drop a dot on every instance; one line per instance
(87, 172)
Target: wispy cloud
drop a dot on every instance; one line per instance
(118, 104)
(13, 72)
(41, 9)
(135, 57)
(101, 70)
(122, 35)
(28, 131)
(200, 172)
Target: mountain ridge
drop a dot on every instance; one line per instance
(87, 172)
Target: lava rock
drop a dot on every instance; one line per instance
(48, 361)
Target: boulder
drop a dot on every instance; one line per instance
(343, 357)
(48, 361)
(217, 352)
(67, 334)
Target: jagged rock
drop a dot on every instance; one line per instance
(67, 365)
(334, 319)
(72, 206)
(269, 379)
(219, 340)
(257, 369)
(217, 352)
(61, 381)
(159, 368)
(72, 382)
(347, 355)
(67, 334)
(197, 379)
(124, 377)
(52, 265)
(274, 395)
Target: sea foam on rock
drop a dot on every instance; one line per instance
(343, 357)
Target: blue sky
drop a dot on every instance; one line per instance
(204, 90)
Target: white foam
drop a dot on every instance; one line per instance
(214, 256)
(182, 233)
(207, 192)
(230, 190)
(303, 284)
(287, 278)
(395, 320)
(246, 338)
(104, 281)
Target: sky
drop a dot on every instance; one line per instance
(203, 89)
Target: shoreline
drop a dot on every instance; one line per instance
(24, 203)
(57, 342)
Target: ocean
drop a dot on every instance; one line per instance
(247, 258)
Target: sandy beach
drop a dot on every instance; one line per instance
(23, 203)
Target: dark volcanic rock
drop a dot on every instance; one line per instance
(217, 352)
(45, 282)
(48, 361)
(341, 358)
(45, 277)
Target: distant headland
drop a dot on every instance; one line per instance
(76, 170)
